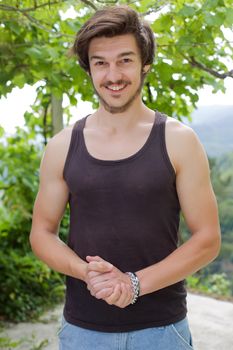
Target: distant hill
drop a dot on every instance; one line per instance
(214, 126)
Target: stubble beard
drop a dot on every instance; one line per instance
(120, 109)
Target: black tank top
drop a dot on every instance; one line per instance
(127, 212)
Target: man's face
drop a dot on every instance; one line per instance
(116, 71)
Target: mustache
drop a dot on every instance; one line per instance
(118, 82)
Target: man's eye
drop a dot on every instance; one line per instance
(99, 63)
(126, 60)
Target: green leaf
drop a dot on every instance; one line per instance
(15, 27)
(57, 92)
(19, 80)
(162, 24)
(55, 79)
(73, 100)
(214, 20)
(210, 4)
(187, 11)
(229, 17)
(163, 40)
(2, 131)
(75, 26)
(34, 52)
(53, 52)
(165, 71)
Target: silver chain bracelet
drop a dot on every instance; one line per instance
(135, 286)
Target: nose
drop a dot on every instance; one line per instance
(113, 73)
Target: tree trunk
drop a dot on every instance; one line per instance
(57, 114)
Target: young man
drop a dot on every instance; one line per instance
(126, 172)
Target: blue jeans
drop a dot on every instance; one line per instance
(175, 336)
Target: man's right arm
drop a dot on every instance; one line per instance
(49, 208)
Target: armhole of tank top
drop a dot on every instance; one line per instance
(164, 146)
(73, 142)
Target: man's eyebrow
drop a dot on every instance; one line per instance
(96, 57)
(127, 53)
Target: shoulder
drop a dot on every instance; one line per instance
(62, 138)
(56, 150)
(179, 132)
(182, 142)
(59, 144)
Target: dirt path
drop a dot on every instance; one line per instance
(210, 322)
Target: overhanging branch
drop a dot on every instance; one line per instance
(29, 9)
(41, 26)
(211, 71)
(149, 92)
(88, 3)
(5, 7)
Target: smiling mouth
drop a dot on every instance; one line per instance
(116, 88)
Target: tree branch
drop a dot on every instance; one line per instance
(29, 9)
(107, 2)
(45, 123)
(211, 71)
(149, 92)
(195, 44)
(88, 3)
(5, 188)
(159, 5)
(41, 26)
(35, 7)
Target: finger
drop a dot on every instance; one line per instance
(98, 266)
(91, 274)
(99, 259)
(93, 258)
(115, 295)
(124, 297)
(95, 288)
(104, 293)
(100, 277)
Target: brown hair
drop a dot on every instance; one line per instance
(112, 21)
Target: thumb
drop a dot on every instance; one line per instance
(90, 258)
(98, 264)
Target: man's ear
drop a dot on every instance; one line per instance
(146, 68)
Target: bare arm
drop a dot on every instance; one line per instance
(49, 208)
(199, 208)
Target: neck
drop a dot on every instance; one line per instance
(120, 122)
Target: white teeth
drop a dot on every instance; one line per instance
(116, 88)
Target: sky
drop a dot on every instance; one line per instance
(18, 101)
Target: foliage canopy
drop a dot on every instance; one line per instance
(192, 49)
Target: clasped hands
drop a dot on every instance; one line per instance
(105, 281)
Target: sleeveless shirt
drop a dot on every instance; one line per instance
(127, 212)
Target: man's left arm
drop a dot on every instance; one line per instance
(199, 207)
